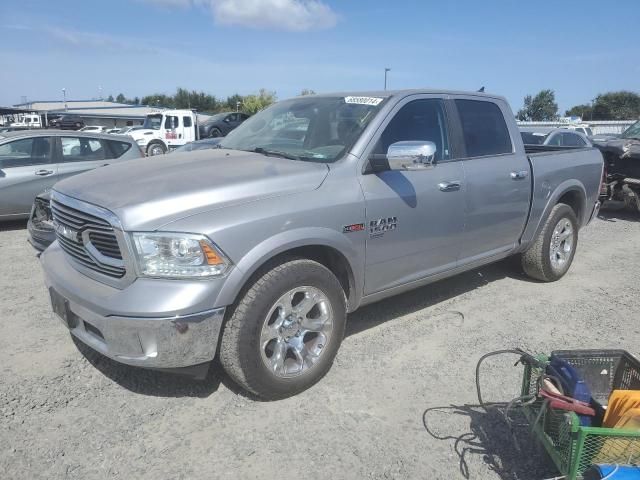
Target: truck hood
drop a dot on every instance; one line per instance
(148, 193)
(141, 133)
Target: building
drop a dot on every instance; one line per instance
(93, 112)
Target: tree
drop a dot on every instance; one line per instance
(621, 105)
(254, 103)
(584, 111)
(110, 98)
(541, 108)
(233, 102)
(307, 91)
(121, 98)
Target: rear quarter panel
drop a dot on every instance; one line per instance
(556, 173)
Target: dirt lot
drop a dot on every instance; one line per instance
(398, 402)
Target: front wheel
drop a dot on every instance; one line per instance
(155, 148)
(551, 255)
(215, 133)
(282, 336)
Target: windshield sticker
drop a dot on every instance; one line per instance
(363, 100)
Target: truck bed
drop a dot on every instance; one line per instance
(556, 169)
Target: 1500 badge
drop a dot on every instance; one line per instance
(380, 226)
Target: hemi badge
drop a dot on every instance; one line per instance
(356, 227)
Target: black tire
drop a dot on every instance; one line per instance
(215, 132)
(154, 148)
(241, 352)
(536, 261)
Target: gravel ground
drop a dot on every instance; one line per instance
(398, 402)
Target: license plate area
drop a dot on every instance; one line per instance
(61, 308)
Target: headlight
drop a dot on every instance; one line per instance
(178, 255)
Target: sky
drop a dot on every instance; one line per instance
(138, 47)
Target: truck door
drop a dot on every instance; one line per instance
(173, 131)
(498, 178)
(189, 129)
(415, 219)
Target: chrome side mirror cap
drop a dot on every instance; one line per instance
(411, 155)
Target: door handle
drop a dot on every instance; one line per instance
(44, 173)
(519, 175)
(449, 186)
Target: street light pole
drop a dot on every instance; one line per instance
(385, 77)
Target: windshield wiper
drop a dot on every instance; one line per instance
(275, 153)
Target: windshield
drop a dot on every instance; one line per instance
(319, 129)
(153, 122)
(633, 131)
(533, 138)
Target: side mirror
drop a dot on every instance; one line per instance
(411, 155)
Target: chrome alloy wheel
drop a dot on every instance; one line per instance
(296, 331)
(561, 244)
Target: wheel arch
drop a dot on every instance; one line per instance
(160, 141)
(325, 246)
(571, 192)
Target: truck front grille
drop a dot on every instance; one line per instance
(71, 223)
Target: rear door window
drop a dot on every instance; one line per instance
(116, 149)
(483, 127)
(572, 140)
(186, 121)
(25, 152)
(80, 149)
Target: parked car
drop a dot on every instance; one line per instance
(204, 144)
(40, 225)
(94, 129)
(221, 124)
(32, 161)
(584, 129)
(127, 130)
(67, 122)
(622, 164)
(13, 129)
(261, 247)
(558, 137)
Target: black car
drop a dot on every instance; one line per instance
(221, 124)
(67, 122)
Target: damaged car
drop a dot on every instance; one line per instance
(622, 167)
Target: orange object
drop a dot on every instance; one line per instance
(212, 257)
(620, 402)
(630, 420)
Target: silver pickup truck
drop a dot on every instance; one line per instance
(254, 252)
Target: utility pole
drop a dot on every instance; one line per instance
(386, 70)
(64, 97)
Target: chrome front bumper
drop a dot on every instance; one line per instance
(149, 342)
(151, 324)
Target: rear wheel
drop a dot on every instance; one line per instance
(155, 148)
(551, 255)
(282, 336)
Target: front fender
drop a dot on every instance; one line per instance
(285, 241)
(544, 199)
